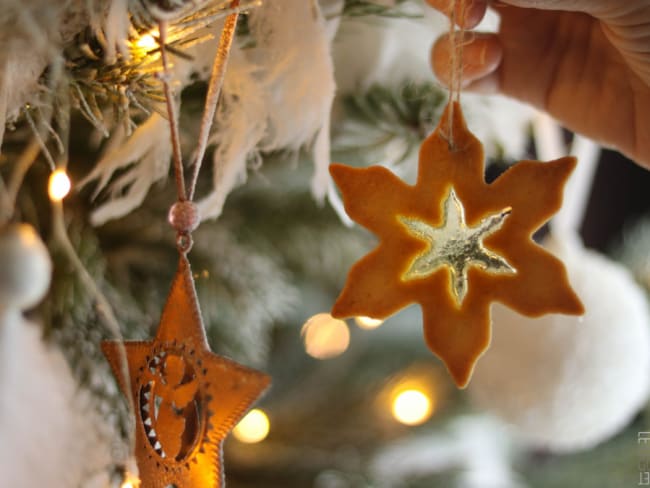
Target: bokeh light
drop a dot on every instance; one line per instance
(130, 481)
(59, 185)
(253, 428)
(147, 42)
(368, 322)
(412, 407)
(325, 337)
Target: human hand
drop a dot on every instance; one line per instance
(586, 62)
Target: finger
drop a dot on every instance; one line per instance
(468, 13)
(481, 56)
(487, 85)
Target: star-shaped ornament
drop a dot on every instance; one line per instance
(186, 398)
(455, 244)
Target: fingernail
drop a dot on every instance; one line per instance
(474, 12)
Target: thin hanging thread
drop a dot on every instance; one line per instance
(171, 115)
(214, 92)
(456, 45)
(183, 194)
(211, 101)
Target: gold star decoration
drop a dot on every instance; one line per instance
(186, 398)
(455, 244)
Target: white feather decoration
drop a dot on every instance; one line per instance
(272, 99)
(148, 150)
(116, 29)
(282, 103)
(297, 67)
(26, 42)
(240, 125)
(149, 146)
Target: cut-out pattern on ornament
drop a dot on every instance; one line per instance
(187, 398)
(169, 398)
(455, 244)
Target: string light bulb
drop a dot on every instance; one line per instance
(147, 42)
(325, 337)
(368, 322)
(412, 407)
(59, 185)
(253, 428)
(130, 481)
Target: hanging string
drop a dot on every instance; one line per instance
(214, 91)
(171, 114)
(183, 215)
(456, 45)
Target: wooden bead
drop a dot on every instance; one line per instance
(184, 216)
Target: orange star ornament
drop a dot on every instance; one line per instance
(454, 243)
(186, 399)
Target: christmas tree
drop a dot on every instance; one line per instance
(556, 401)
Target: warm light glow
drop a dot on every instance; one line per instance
(147, 42)
(130, 481)
(412, 407)
(59, 185)
(253, 428)
(325, 337)
(368, 322)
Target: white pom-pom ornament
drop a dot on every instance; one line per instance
(567, 383)
(25, 268)
(46, 423)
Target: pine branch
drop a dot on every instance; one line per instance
(388, 123)
(119, 88)
(125, 89)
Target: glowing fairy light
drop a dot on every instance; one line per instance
(412, 407)
(253, 428)
(325, 337)
(59, 185)
(130, 481)
(368, 322)
(147, 42)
